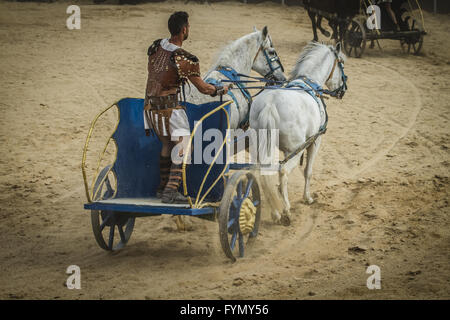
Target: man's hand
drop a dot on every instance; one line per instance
(226, 88)
(221, 90)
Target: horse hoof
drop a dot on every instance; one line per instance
(285, 221)
(309, 200)
(276, 217)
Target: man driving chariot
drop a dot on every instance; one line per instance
(169, 68)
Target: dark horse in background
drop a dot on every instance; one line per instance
(335, 11)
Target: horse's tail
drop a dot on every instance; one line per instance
(269, 119)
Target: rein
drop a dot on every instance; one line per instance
(339, 92)
(332, 70)
(269, 60)
(234, 77)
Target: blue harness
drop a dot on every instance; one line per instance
(315, 91)
(234, 78)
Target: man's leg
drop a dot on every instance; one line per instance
(165, 163)
(170, 193)
(180, 133)
(391, 14)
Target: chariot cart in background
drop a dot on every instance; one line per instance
(348, 20)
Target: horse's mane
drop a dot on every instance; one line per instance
(226, 53)
(311, 52)
(310, 55)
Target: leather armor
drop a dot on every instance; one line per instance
(167, 71)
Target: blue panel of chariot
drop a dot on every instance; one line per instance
(208, 142)
(137, 163)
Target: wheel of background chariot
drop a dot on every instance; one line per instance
(412, 44)
(354, 38)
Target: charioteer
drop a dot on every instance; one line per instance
(169, 69)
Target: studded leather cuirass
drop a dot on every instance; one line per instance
(162, 74)
(167, 70)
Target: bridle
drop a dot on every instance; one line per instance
(270, 61)
(339, 92)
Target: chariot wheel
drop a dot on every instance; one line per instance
(354, 38)
(239, 214)
(112, 230)
(412, 43)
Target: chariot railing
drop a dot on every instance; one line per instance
(198, 203)
(91, 192)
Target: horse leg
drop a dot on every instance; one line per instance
(312, 16)
(311, 154)
(319, 26)
(272, 195)
(284, 175)
(335, 27)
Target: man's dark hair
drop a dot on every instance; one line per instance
(177, 21)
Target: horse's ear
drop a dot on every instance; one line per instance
(338, 47)
(265, 32)
(254, 29)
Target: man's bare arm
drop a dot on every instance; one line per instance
(204, 87)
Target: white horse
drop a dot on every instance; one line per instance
(253, 51)
(297, 115)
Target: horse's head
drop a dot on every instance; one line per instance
(337, 80)
(266, 61)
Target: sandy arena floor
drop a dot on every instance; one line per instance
(381, 180)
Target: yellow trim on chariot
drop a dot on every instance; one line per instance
(421, 13)
(106, 175)
(199, 201)
(90, 191)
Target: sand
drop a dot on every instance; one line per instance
(381, 179)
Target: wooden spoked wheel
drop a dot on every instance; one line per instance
(354, 38)
(412, 43)
(112, 230)
(239, 213)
